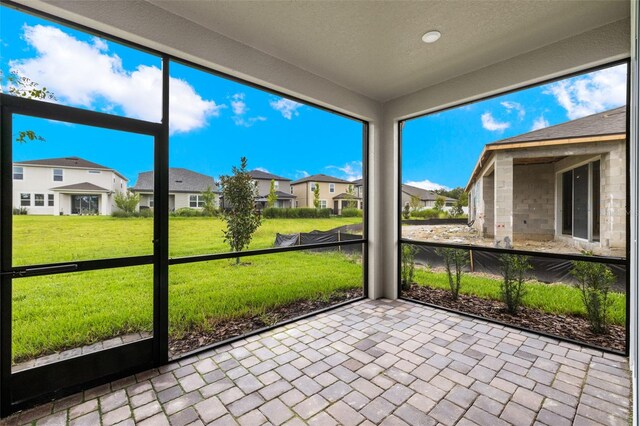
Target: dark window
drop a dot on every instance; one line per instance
(581, 202)
(196, 201)
(50, 200)
(567, 202)
(57, 175)
(39, 200)
(18, 173)
(85, 204)
(25, 199)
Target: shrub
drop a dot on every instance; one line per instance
(127, 202)
(295, 213)
(408, 265)
(187, 212)
(351, 212)
(406, 211)
(512, 287)
(456, 259)
(20, 211)
(142, 213)
(427, 214)
(594, 283)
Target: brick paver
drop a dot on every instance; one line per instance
(371, 362)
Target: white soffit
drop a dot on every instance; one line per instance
(375, 48)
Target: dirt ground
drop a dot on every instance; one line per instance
(462, 234)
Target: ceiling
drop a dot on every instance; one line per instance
(375, 48)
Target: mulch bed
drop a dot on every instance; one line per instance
(242, 325)
(567, 326)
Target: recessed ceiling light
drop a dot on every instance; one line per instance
(431, 36)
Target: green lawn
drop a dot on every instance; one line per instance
(56, 312)
(558, 298)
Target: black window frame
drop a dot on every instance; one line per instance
(597, 259)
(25, 201)
(50, 200)
(36, 201)
(10, 401)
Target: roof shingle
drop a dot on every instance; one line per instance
(180, 180)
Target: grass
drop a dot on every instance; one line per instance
(57, 312)
(50, 239)
(558, 298)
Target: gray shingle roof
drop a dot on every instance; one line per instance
(609, 122)
(84, 186)
(180, 180)
(69, 162)
(345, 196)
(320, 178)
(357, 182)
(280, 194)
(423, 194)
(259, 174)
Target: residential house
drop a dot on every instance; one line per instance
(335, 193)
(427, 197)
(68, 185)
(285, 198)
(564, 182)
(185, 189)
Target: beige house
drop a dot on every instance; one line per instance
(564, 182)
(185, 189)
(427, 198)
(282, 185)
(334, 192)
(67, 185)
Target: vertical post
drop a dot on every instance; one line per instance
(161, 229)
(6, 200)
(503, 201)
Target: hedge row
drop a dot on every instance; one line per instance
(351, 212)
(279, 213)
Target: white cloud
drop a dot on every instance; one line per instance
(287, 107)
(85, 73)
(539, 123)
(514, 106)
(592, 93)
(302, 174)
(240, 109)
(427, 184)
(490, 123)
(351, 170)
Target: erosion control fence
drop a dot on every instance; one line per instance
(315, 237)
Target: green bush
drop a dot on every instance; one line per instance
(18, 211)
(512, 287)
(408, 265)
(454, 261)
(428, 214)
(295, 213)
(187, 212)
(141, 213)
(351, 212)
(594, 283)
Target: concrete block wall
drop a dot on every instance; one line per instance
(503, 234)
(613, 216)
(533, 202)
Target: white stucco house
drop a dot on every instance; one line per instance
(68, 185)
(565, 182)
(185, 189)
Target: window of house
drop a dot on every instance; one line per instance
(291, 190)
(18, 173)
(94, 172)
(196, 201)
(58, 175)
(151, 202)
(276, 185)
(50, 200)
(313, 186)
(332, 187)
(39, 200)
(25, 199)
(323, 204)
(581, 201)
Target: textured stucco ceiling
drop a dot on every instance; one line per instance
(375, 48)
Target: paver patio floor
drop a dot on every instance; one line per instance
(371, 362)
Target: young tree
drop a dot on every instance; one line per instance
(512, 288)
(316, 195)
(241, 215)
(352, 202)
(594, 280)
(408, 265)
(406, 211)
(439, 203)
(209, 202)
(272, 197)
(127, 201)
(461, 202)
(414, 203)
(24, 87)
(454, 261)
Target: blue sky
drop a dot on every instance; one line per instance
(215, 121)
